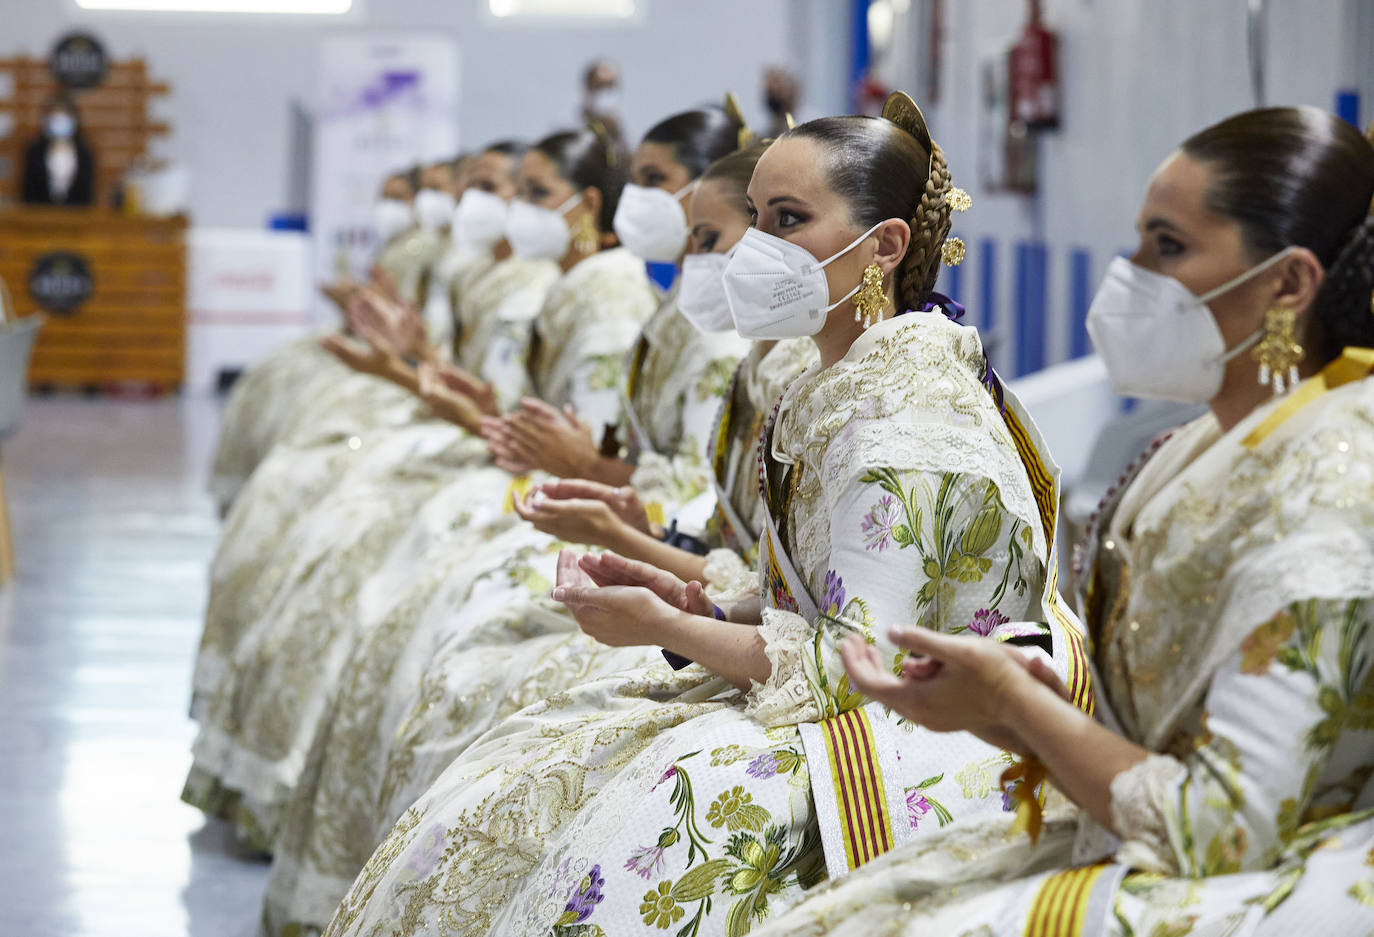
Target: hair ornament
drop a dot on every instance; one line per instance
(733, 111)
(952, 252)
(902, 111)
(959, 200)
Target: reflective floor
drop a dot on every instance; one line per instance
(113, 532)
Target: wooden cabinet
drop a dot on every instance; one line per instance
(132, 327)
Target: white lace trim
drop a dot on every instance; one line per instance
(1136, 815)
(785, 698)
(728, 578)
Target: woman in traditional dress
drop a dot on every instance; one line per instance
(1226, 786)
(265, 401)
(332, 422)
(696, 799)
(424, 626)
(262, 716)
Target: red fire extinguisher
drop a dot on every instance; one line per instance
(1034, 74)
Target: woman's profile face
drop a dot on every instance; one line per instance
(789, 197)
(654, 167)
(719, 217)
(491, 172)
(1182, 238)
(540, 183)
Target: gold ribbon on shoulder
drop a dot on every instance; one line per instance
(1353, 364)
(1030, 805)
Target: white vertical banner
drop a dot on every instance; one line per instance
(386, 102)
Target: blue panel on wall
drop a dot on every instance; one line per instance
(859, 51)
(1080, 297)
(1031, 258)
(1348, 106)
(987, 293)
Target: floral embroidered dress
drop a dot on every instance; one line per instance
(653, 800)
(297, 621)
(460, 623)
(494, 312)
(1231, 605)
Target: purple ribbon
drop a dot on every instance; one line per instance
(952, 310)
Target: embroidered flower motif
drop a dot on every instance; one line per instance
(659, 907)
(422, 861)
(585, 899)
(878, 523)
(672, 770)
(834, 594)
(917, 806)
(985, 620)
(763, 767)
(727, 755)
(645, 861)
(734, 810)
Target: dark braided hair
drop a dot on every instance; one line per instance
(1299, 176)
(882, 172)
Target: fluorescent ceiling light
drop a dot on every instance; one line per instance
(559, 8)
(314, 7)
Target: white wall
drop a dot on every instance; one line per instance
(1138, 76)
(234, 78)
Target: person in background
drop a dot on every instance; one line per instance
(59, 168)
(780, 96)
(601, 98)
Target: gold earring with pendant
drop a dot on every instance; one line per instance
(871, 299)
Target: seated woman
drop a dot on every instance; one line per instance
(416, 623)
(1225, 788)
(330, 422)
(302, 615)
(694, 799)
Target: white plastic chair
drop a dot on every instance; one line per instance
(16, 344)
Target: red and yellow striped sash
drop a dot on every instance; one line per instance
(864, 819)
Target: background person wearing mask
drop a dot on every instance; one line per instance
(59, 168)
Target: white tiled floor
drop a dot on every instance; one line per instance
(113, 532)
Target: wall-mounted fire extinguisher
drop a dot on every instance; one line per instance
(1033, 72)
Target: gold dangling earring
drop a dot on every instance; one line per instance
(1278, 353)
(586, 238)
(871, 300)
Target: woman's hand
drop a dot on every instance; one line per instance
(388, 324)
(622, 501)
(609, 569)
(364, 358)
(956, 682)
(503, 453)
(575, 520)
(553, 440)
(480, 392)
(615, 615)
(340, 292)
(444, 403)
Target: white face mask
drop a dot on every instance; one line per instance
(701, 296)
(651, 223)
(1159, 340)
(391, 216)
(61, 126)
(480, 219)
(777, 289)
(537, 233)
(603, 102)
(434, 208)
